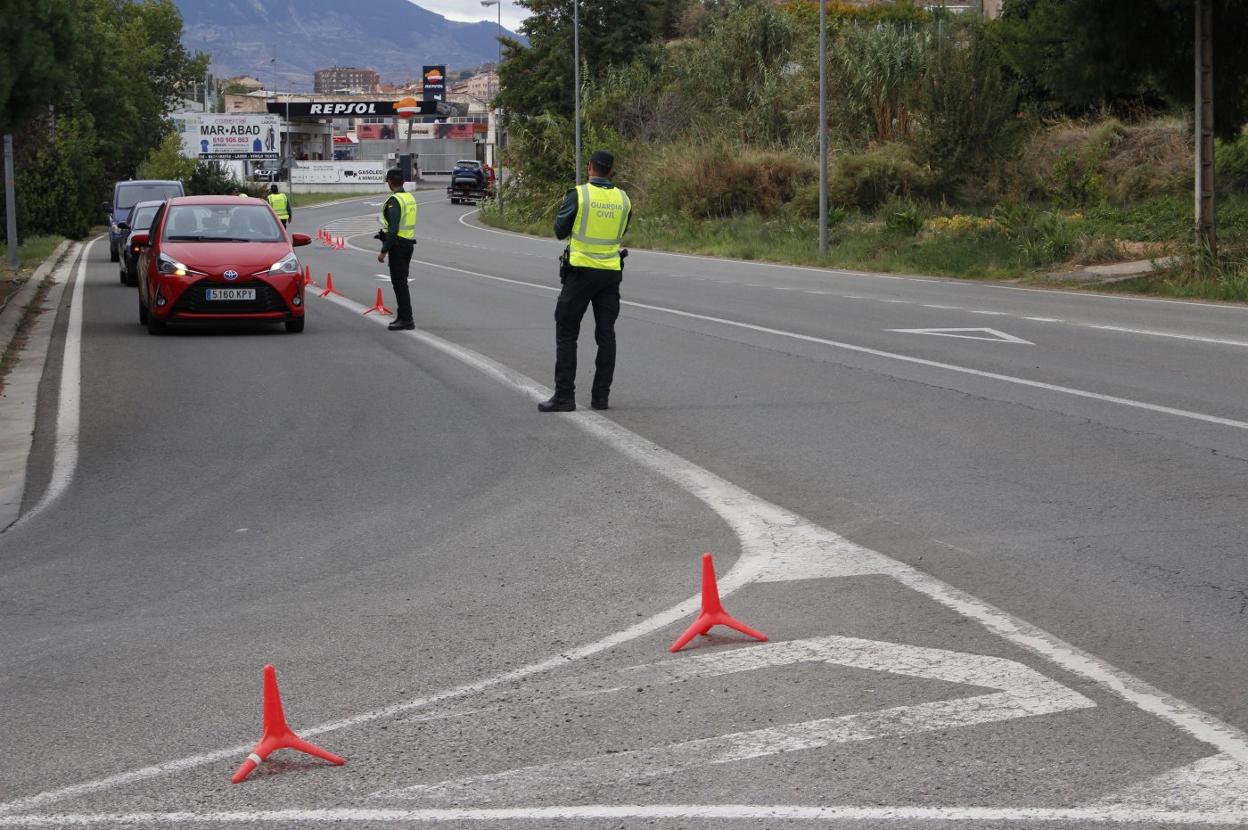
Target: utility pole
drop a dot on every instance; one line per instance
(576, 79)
(1206, 224)
(10, 199)
(823, 127)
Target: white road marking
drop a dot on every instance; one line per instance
(991, 335)
(354, 816)
(1046, 319)
(948, 307)
(1175, 335)
(68, 407)
(988, 313)
(898, 302)
(1022, 692)
(1211, 784)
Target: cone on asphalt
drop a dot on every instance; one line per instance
(276, 734)
(713, 612)
(379, 306)
(329, 286)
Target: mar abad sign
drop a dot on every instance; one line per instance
(230, 137)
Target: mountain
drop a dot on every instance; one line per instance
(394, 37)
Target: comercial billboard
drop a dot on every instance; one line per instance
(434, 80)
(230, 137)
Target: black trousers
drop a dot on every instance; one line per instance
(585, 287)
(400, 259)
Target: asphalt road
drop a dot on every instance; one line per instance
(994, 536)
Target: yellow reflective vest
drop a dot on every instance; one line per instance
(280, 203)
(407, 222)
(601, 217)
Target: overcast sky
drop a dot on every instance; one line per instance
(472, 10)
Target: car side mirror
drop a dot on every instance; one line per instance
(297, 239)
(122, 226)
(141, 240)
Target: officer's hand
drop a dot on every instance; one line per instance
(381, 257)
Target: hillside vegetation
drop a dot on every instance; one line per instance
(956, 148)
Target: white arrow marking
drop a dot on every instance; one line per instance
(969, 334)
(1021, 692)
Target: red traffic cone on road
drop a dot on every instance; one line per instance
(713, 612)
(342, 243)
(329, 286)
(276, 734)
(379, 306)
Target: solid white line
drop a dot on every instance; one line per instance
(1046, 319)
(68, 405)
(590, 812)
(1150, 333)
(903, 358)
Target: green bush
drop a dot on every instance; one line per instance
(167, 162)
(210, 178)
(881, 172)
(903, 216)
(969, 110)
(1232, 161)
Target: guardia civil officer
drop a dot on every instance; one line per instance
(595, 215)
(280, 202)
(398, 238)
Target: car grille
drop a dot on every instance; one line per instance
(192, 300)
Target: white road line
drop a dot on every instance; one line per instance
(902, 358)
(1046, 319)
(1175, 335)
(68, 406)
(948, 307)
(598, 812)
(988, 313)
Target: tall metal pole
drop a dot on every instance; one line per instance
(498, 114)
(576, 79)
(1206, 225)
(10, 199)
(823, 127)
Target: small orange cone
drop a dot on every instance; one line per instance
(342, 243)
(329, 286)
(379, 306)
(276, 734)
(713, 612)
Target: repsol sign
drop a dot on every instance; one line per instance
(337, 109)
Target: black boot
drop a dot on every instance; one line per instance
(556, 405)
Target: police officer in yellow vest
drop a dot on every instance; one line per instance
(595, 215)
(398, 239)
(280, 202)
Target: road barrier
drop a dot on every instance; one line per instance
(276, 734)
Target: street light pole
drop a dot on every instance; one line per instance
(823, 127)
(576, 79)
(498, 121)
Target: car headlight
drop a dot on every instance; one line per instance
(288, 264)
(168, 265)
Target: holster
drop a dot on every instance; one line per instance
(565, 265)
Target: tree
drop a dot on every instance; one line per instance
(538, 78)
(36, 41)
(1081, 55)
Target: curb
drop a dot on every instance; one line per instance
(9, 320)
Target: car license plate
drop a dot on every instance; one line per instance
(229, 293)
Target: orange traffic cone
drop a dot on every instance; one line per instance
(342, 243)
(379, 306)
(713, 612)
(276, 734)
(329, 286)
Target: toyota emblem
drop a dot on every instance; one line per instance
(230, 275)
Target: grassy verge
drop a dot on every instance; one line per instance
(33, 251)
(22, 334)
(1024, 243)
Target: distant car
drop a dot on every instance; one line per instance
(268, 174)
(139, 219)
(126, 195)
(215, 258)
(470, 171)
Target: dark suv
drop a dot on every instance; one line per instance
(125, 196)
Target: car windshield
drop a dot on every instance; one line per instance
(128, 195)
(470, 164)
(222, 223)
(141, 219)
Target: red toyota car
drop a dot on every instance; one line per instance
(214, 258)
